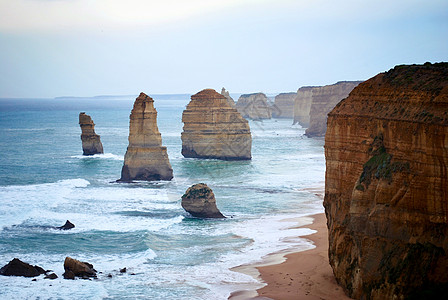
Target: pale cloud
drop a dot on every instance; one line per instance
(46, 15)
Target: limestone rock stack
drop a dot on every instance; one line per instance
(302, 106)
(324, 99)
(227, 95)
(284, 105)
(386, 188)
(91, 143)
(213, 129)
(200, 202)
(145, 158)
(254, 106)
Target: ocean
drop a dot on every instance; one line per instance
(45, 180)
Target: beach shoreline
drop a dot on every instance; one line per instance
(294, 274)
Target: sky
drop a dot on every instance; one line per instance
(51, 48)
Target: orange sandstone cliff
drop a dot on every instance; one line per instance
(324, 99)
(386, 188)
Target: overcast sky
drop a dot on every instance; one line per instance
(54, 48)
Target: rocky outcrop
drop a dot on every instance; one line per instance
(227, 95)
(91, 143)
(284, 105)
(67, 226)
(145, 158)
(254, 106)
(213, 129)
(302, 106)
(200, 202)
(75, 268)
(386, 188)
(16, 267)
(324, 99)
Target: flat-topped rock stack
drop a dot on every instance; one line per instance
(91, 142)
(213, 129)
(284, 105)
(254, 106)
(302, 106)
(145, 158)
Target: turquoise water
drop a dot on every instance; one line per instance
(44, 180)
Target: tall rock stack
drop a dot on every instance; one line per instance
(213, 129)
(145, 158)
(227, 95)
(324, 99)
(254, 106)
(386, 186)
(284, 106)
(302, 106)
(91, 142)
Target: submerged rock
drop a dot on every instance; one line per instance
(200, 202)
(68, 225)
(91, 143)
(75, 268)
(16, 267)
(213, 129)
(51, 276)
(386, 185)
(145, 158)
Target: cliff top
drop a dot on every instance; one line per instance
(253, 94)
(143, 97)
(208, 94)
(415, 93)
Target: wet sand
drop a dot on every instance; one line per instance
(304, 275)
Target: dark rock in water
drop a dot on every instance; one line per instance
(51, 276)
(200, 202)
(78, 268)
(68, 225)
(16, 267)
(109, 275)
(91, 143)
(69, 275)
(123, 270)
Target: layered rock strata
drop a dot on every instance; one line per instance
(254, 106)
(284, 105)
(199, 200)
(324, 99)
(91, 143)
(302, 106)
(213, 129)
(227, 95)
(386, 188)
(145, 158)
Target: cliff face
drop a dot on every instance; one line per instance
(254, 106)
(386, 188)
(323, 100)
(302, 106)
(145, 158)
(91, 143)
(284, 105)
(213, 129)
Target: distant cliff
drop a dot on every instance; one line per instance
(284, 105)
(254, 106)
(386, 188)
(302, 106)
(323, 100)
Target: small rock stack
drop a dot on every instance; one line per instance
(91, 143)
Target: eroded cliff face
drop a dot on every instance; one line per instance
(386, 188)
(254, 106)
(284, 105)
(226, 94)
(213, 129)
(91, 142)
(145, 158)
(302, 106)
(324, 99)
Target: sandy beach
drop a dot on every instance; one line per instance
(303, 275)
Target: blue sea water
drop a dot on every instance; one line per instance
(45, 180)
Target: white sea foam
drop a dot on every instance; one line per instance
(99, 156)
